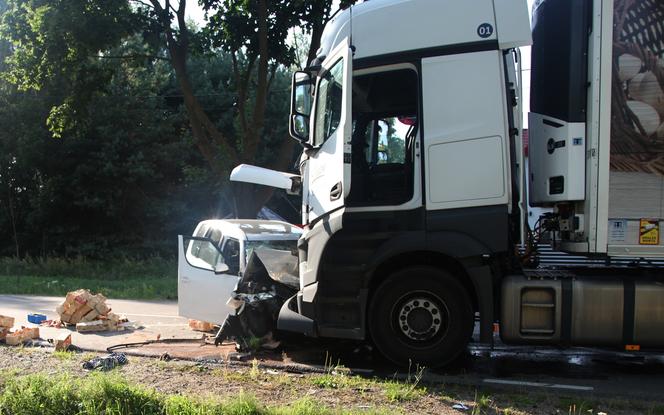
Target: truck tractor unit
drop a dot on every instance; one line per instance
(415, 184)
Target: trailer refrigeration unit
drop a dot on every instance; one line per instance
(413, 187)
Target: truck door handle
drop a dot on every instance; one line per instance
(335, 193)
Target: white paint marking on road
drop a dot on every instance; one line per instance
(149, 315)
(539, 384)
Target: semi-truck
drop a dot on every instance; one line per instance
(413, 176)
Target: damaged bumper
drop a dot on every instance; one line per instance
(257, 300)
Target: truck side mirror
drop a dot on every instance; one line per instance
(300, 107)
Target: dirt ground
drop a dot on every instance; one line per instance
(333, 387)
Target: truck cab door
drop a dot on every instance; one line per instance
(204, 281)
(329, 168)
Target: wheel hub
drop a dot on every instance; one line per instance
(420, 318)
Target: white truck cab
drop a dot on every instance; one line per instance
(211, 261)
(413, 180)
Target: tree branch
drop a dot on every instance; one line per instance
(241, 94)
(261, 87)
(273, 71)
(133, 56)
(150, 6)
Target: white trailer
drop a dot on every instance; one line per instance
(413, 182)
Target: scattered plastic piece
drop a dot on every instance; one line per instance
(37, 343)
(239, 357)
(36, 318)
(107, 362)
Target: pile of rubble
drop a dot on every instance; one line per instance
(88, 312)
(16, 337)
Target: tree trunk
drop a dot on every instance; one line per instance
(12, 217)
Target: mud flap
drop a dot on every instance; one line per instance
(290, 320)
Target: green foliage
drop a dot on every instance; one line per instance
(127, 185)
(126, 176)
(57, 42)
(153, 278)
(116, 269)
(137, 288)
(104, 394)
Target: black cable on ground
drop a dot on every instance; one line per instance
(111, 349)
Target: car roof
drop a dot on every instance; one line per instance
(253, 229)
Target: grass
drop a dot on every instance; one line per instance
(109, 394)
(64, 356)
(153, 278)
(482, 404)
(408, 390)
(337, 377)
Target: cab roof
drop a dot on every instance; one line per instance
(388, 27)
(251, 229)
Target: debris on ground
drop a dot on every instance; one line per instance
(37, 343)
(51, 323)
(460, 407)
(63, 342)
(88, 312)
(6, 323)
(36, 318)
(16, 337)
(21, 336)
(198, 325)
(107, 362)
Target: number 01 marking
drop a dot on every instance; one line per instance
(484, 30)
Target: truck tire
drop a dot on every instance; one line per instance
(421, 315)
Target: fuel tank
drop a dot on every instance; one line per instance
(572, 310)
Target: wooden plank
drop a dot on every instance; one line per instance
(91, 326)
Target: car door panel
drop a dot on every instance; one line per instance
(202, 292)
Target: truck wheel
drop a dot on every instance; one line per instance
(421, 315)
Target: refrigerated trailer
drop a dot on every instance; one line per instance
(413, 180)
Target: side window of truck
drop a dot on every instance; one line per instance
(328, 103)
(385, 125)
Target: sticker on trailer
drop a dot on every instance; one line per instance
(617, 230)
(649, 232)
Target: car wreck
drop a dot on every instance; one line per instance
(251, 265)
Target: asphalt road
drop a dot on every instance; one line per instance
(151, 319)
(589, 372)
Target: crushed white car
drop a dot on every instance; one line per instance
(213, 261)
